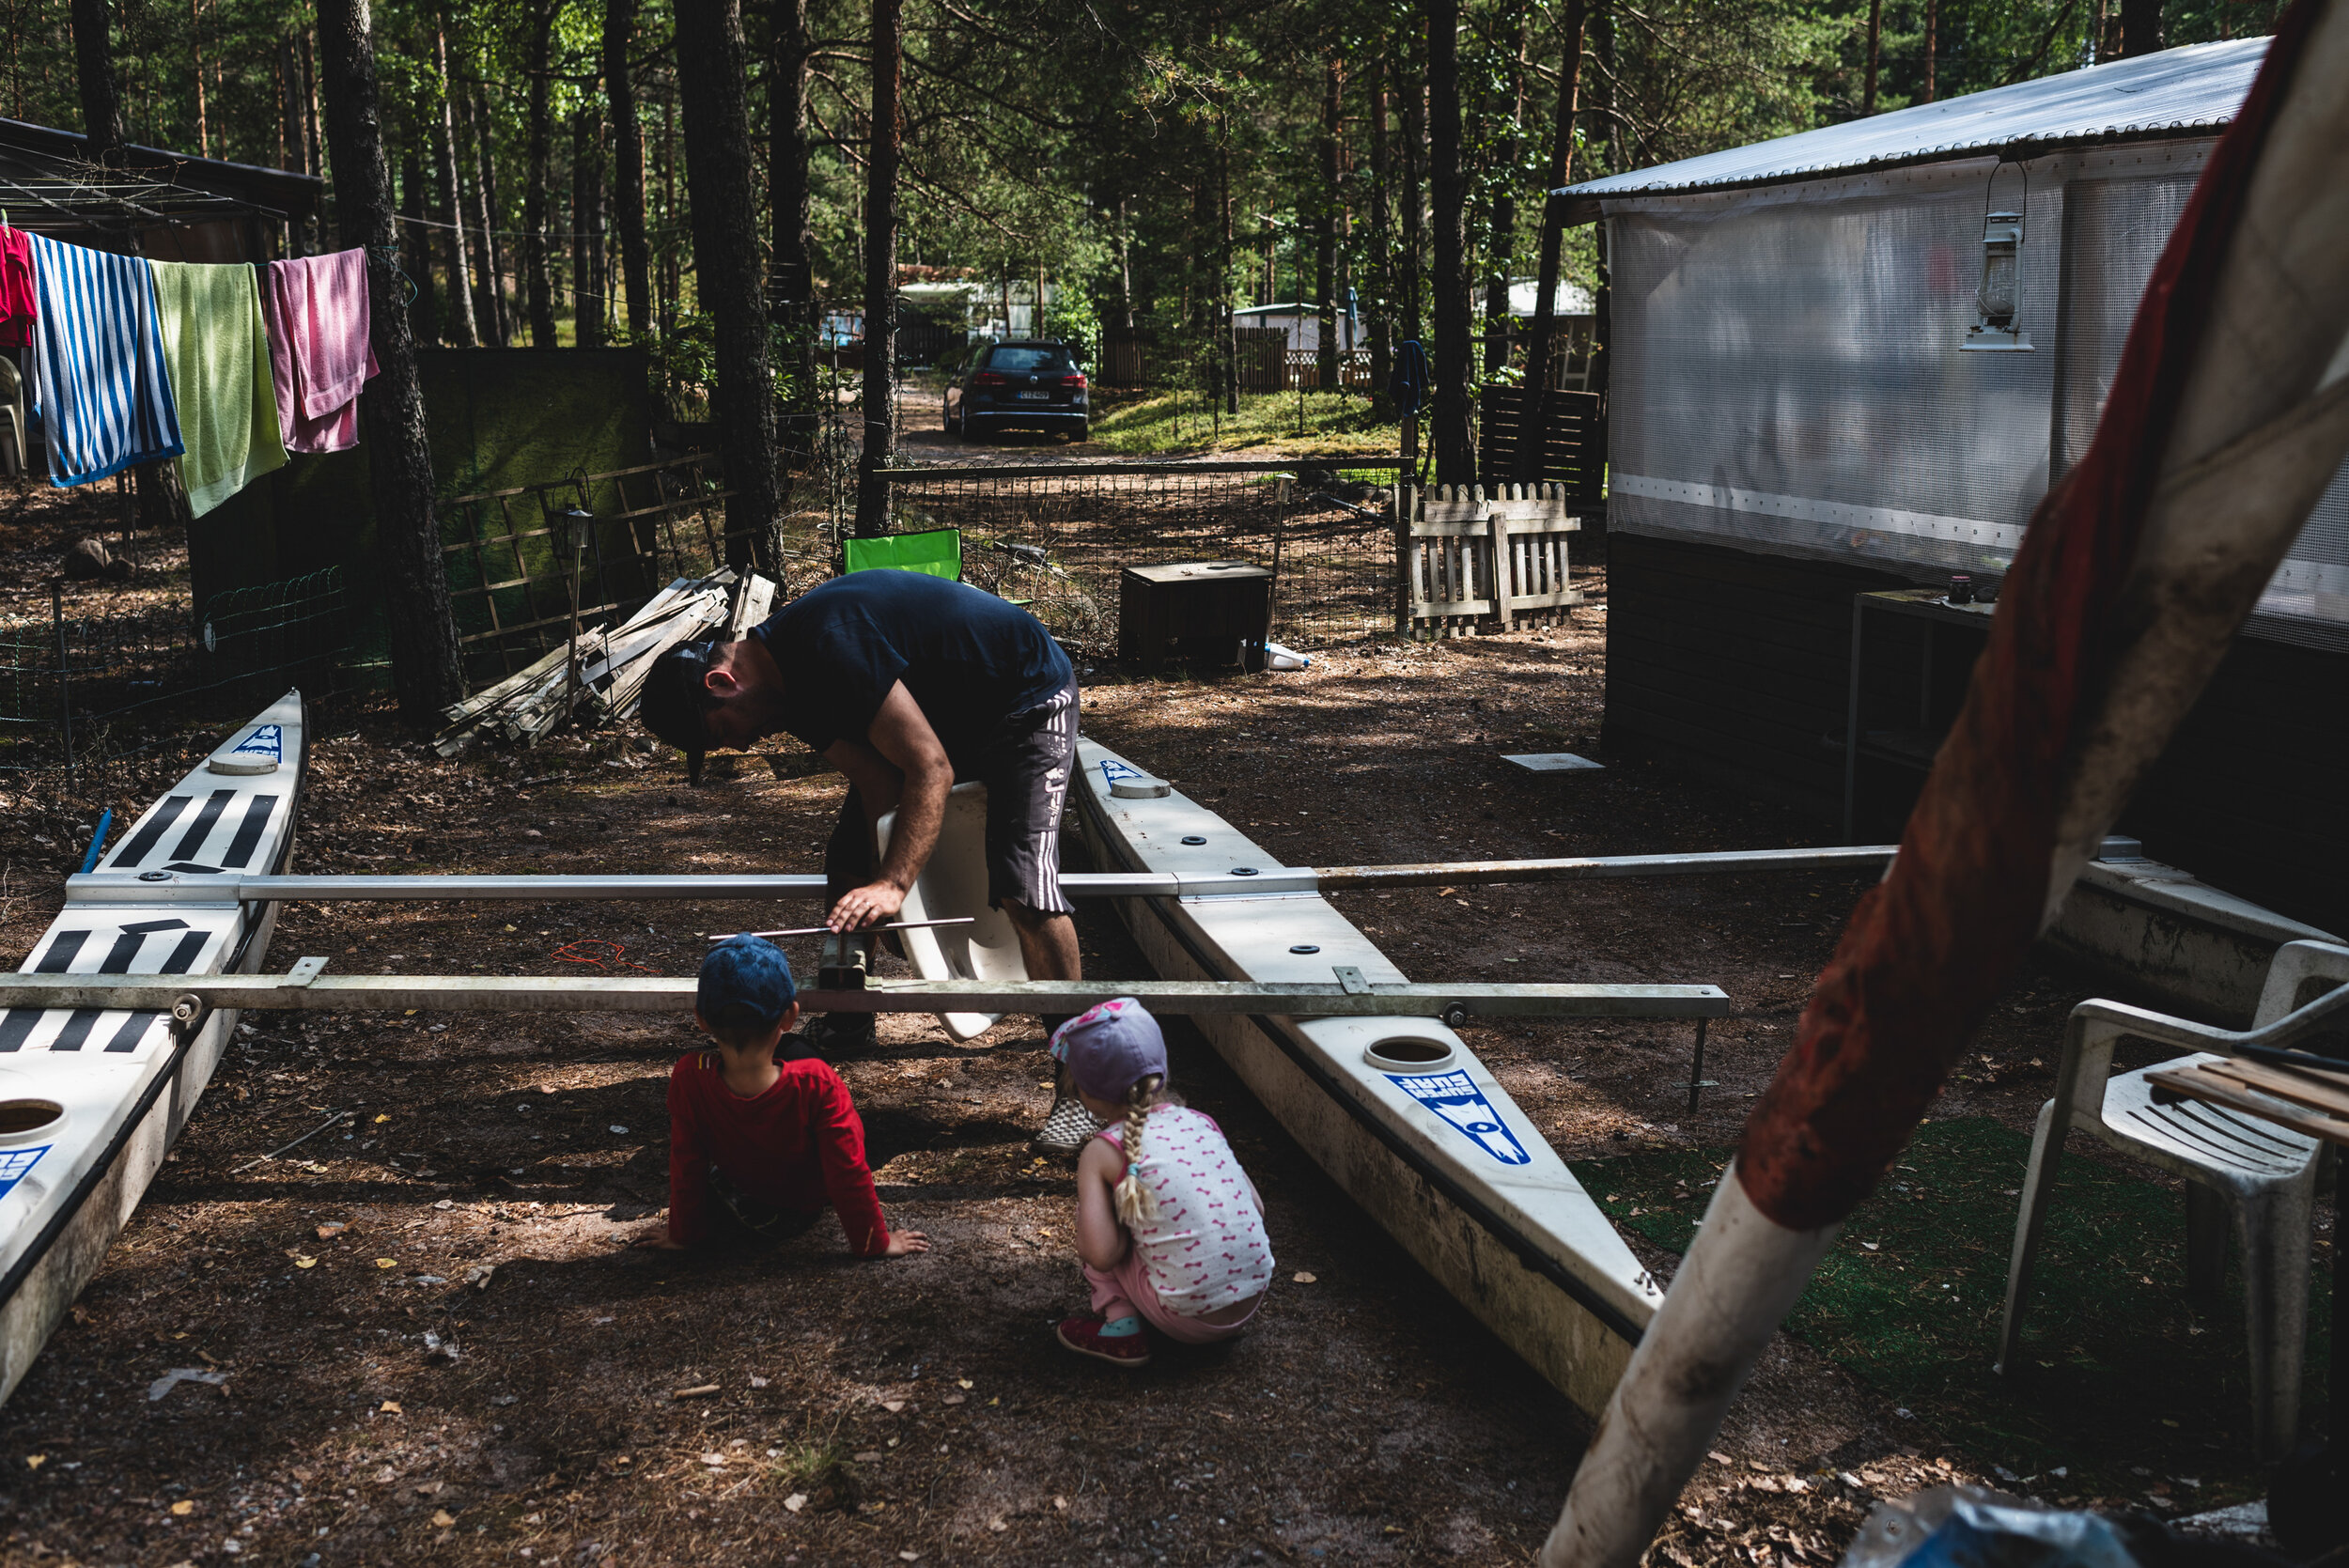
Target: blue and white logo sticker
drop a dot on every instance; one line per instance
(267, 741)
(1455, 1097)
(16, 1164)
(1113, 770)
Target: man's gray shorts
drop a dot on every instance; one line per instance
(1025, 766)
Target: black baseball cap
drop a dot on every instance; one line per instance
(675, 700)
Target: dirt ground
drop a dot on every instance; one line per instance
(439, 1346)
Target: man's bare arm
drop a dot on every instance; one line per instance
(902, 741)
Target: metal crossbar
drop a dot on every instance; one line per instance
(108, 887)
(188, 996)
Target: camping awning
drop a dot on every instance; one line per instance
(2193, 91)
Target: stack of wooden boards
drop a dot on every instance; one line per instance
(612, 663)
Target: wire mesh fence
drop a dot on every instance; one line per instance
(1055, 536)
(81, 683)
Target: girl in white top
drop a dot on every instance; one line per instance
(1169, 1228)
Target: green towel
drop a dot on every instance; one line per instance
(218, 358)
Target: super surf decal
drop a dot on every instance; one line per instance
(267, 741)
(1455, 1097)
(16, 1164)
(1113, 770)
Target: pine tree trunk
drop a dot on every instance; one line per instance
(1411, 86)
(790, 193)
(415, 247)
(101, 98)
(1875, 52)
(1534, 400)
(2140, 27)
(718, 172)
(880, 267)
(1326, 230)
(1500, 253)
(586, 226)
(425, 674)
(1451, 432)
(1382, 246)
(489, 308)
(628, 165)
(462, 328)
(538, 134)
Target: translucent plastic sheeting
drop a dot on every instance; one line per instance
(1789, 377)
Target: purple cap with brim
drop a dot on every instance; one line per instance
(1111, 1047)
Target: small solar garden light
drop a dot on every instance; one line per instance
(1998, 298)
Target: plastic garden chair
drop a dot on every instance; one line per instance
(12, 408)
(2260, 1176)
(937, 552)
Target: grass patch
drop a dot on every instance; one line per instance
(1154, 423)
(2119, 1370)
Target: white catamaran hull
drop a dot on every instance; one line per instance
(94, 1098)
(1443, 1158)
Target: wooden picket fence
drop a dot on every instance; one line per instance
(1497, 559)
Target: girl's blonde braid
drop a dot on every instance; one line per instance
(1136, 1203)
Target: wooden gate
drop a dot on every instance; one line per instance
(1497, 557)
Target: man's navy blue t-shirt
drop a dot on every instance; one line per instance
(969, 660)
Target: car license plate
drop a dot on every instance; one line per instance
(1035, 397)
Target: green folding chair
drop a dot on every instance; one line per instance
(937, 552)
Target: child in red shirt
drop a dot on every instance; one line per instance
(769, 1138)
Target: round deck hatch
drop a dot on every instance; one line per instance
(1141, 789)
(21, 1121)
(1411, 1053)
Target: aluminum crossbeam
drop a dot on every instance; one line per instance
(306, 991)
(106, 887)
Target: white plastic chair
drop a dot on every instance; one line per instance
(12, 408)
(2261, 1175)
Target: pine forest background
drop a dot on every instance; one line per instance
(1145, 165)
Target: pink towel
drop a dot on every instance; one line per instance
(319, 353)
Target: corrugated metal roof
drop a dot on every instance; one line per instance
(2191, 90)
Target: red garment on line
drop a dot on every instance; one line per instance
(794, 1146)
(17, 308)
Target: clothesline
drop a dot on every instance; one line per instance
(524, 233)
(225, 369)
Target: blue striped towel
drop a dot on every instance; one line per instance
(99, 386)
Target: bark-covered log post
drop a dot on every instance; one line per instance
(1534, 400)
(628, 165)
(462, 329)
(102, 97)
(790, 193)
(537, 289)
(710, 57)
(1454, 360)
(881, 270)
(1325, 225)
(425, 676)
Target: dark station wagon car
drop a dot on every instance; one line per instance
(1026, 383)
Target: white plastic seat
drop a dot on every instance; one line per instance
(2242, 1173)
(12, 408)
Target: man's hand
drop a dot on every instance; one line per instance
(871, 904)
(659, 1239)
(904, 1242)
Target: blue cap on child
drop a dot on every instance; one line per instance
(745, 972)
(1111, 1047)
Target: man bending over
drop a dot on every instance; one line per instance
(908, 684)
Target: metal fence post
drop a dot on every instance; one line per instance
(64, 690)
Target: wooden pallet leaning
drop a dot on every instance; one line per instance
(1500, 558)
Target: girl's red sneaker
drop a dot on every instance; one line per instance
(1084, 1335)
